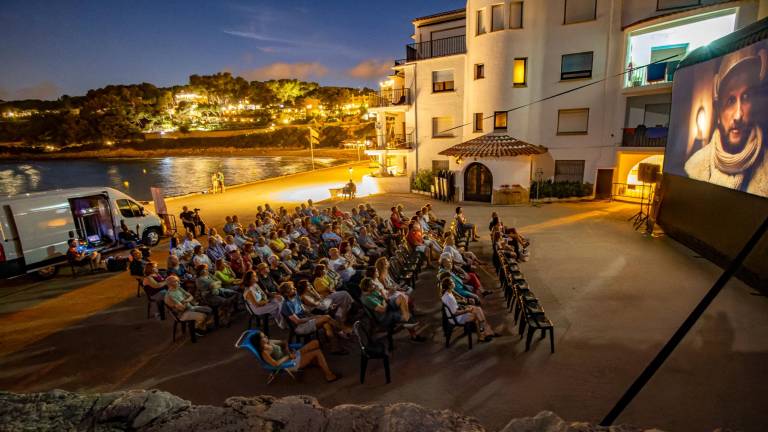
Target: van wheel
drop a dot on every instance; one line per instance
(151, 237)
(47, 272)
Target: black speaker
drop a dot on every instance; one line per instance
(648, 173)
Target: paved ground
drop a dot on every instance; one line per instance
(615, 296)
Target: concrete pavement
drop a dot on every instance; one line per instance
(614, 296)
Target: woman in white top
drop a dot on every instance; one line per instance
(258, 301)
(467, 313)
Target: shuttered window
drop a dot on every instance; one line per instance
(573, 121)
(440, 126)
(576, 66)
(569, 170)
(516, 15)
(497, 17)
(579, 11)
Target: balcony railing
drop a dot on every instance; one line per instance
(436, 48)
(656, 73)
(390, 97)
(644, 137)
(400, 62)
(396, 141)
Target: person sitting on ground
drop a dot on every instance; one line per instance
(226, 275)
(465, 314)
(259, 301)
(463, 227)
(276, 353)
(126, 237)
(154, 285)
(388, 311)
(304, 323)
(78, 258)
(182, 302)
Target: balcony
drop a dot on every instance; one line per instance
(656, 73)
(390, 97)
(436, 48)
(644, 137)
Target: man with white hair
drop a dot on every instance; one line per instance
(735, 157)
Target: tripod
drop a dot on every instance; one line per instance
(646, 200)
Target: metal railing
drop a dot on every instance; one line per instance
(644, 137)
(400, 62)
(436, 48)
(396, 141)
(656, 73)
(390, 97)
(631, 192)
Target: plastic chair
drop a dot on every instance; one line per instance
(159, 304)
(249, 340)
(450, 323)
(184, 324)
(370, 349)
(262, 321)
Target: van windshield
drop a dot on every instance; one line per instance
(128, 208)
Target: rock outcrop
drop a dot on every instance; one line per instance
(157, 411)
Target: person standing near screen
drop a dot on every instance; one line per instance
(736, 157)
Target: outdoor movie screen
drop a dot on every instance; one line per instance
(718, 122)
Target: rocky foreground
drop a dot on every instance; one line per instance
(153, 410)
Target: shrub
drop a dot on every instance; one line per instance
(422, 180)
(563, 189)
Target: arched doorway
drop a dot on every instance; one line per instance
(478, 183)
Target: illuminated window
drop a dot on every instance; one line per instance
(478, 124)
(573, 121)
(480, 23)
(500, 121)
(479, 71)
(575, 66)
(441, 126)
(516, 15)
(497, 17)
(577, 11)
(442, 81)
(519, 72)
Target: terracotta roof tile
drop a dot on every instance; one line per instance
(494, 146)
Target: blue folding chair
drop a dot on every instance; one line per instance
(249, 340)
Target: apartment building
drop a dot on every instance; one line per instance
(506, 92)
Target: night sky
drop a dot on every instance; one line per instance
(67, 47)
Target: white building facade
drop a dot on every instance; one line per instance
(563, 74)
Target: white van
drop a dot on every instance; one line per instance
(36, 227)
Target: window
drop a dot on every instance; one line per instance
(442, 127)
(478, 123)
(479, 71)
(480, 23)
(575, 66)
(516, 15)
(497, 17)
(579, 11)
(128, 208)
(442, 81)
(440, 165)
(569, 170)
(519, 72)
(500, 121)
(675, 4)
(572, 121)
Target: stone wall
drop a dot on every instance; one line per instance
(157, 411)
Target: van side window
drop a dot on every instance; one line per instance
(128, 208)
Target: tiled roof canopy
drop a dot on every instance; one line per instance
(493, 146)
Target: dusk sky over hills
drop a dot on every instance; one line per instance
(68, 47)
